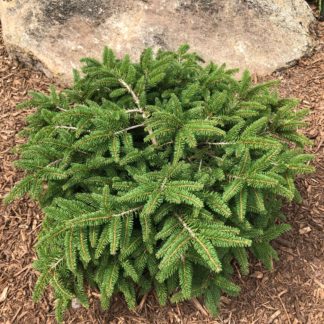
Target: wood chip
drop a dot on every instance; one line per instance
(274, 316)
(257, 274)
(305, 230)
(75, 303)
(4, 294)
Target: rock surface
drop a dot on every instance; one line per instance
(261, 35)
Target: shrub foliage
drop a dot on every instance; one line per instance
(158, 175)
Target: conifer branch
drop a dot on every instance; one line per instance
(190, 231)
(131, 92)
(138, 104)
(207, 251)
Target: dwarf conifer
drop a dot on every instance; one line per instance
(158, 175)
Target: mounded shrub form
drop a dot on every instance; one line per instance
(159, 175)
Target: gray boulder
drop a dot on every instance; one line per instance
(261, 35)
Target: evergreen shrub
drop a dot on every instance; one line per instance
(158, 175)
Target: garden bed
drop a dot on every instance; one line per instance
(292, 293)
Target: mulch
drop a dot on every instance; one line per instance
(292, 293)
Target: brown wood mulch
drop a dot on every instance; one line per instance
(292, 293)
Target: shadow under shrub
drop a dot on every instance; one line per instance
(158, 175)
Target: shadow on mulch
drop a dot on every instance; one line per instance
(292, 293)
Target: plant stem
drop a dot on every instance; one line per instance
(138, 104)
(129, 128)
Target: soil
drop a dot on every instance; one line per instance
(292, 293)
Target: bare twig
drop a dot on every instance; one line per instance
(274, 316)
(197, 304)
(61, 109)
(66, 127)
(134, 111)
(284, 308)
(128, 128)
(219, 143)
(142, 303)
(138, 104)
(54, 162)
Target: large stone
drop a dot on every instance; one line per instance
(261, 35)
